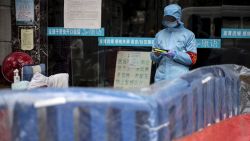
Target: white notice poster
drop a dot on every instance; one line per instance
(82, 14)
(27, 39)
(133, 70)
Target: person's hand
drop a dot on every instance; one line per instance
(171, 54)
(156, 53)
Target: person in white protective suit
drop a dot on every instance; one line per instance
(174, 47)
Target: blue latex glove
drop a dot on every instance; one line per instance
(171, 54)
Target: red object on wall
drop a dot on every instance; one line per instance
(234, 129)
(14, 61)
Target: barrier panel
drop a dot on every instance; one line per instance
(171, 103)
(197, 100)
(162, 112)
(84, 114)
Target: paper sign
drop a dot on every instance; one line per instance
(133, 70)
(24, 12)
(82, 13)
(27, 39)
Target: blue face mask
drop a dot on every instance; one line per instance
(170, 24)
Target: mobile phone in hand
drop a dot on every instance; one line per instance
(159, 50)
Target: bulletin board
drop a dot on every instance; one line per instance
(133, 70)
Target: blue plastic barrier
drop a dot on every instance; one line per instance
(199, 99)
(170, 104)
(25, 124)
(103, 117)
(185, 105)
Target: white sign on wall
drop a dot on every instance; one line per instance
(82, 14)
(24, 12)
(133, 70)
(27, 39)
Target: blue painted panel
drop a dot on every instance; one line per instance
(60, 31)
(148, 42)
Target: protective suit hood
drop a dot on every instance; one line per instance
(175, 11)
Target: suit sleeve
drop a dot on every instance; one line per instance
(189, 56)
